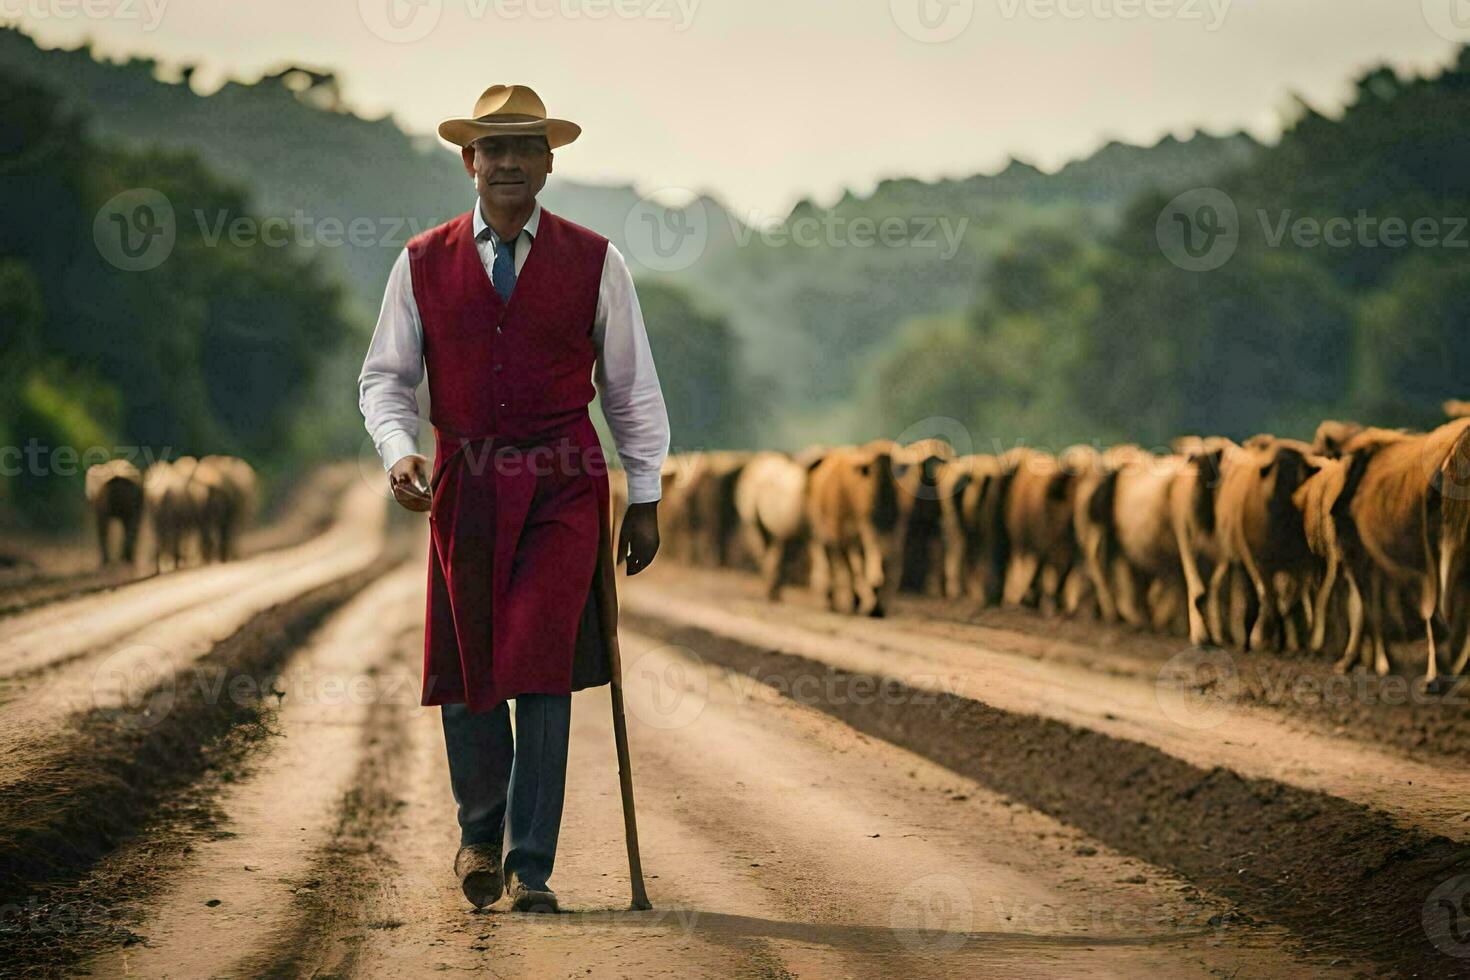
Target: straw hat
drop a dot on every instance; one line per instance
(509, 110)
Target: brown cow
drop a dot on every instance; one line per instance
(1192, 519)
(1397, 513)
(974, 535)
(680, 473)
(852, 509)
(230, 507)
(708, 512)
(770, 498)
(1448, 521)
(1140, 525)
(114, 491)
(1260, 531)
(1092, 522)
(1457, 409)
(1325, 500)
(174, 505)
(920, 557)
(1038, 524)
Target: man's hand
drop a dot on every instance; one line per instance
(638, 539)
(410, 482)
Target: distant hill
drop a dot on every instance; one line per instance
(812, 317)
(291, 140)
(810, 299)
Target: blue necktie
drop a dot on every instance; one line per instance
(503, 270)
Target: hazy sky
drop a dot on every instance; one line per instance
(763, 102)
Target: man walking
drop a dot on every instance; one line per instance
(515, 312)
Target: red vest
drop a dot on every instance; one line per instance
(519, 480)
(498, 368)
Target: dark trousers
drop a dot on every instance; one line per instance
(494, 776)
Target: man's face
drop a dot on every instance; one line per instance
(510, 170)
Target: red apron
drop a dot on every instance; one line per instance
(521, 595)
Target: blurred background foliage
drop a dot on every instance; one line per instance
(1026, 306)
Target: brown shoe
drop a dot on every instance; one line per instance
(480, 876)
(523, 899)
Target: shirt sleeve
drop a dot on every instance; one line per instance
(632, 401)
(392, 370)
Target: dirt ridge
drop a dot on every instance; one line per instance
(1342, 877)
(116, 776)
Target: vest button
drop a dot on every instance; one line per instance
(497, 369)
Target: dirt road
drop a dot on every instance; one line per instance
(818, 796)
(778, 842)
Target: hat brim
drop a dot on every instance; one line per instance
(463, 132)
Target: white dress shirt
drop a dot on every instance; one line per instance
(626, 381)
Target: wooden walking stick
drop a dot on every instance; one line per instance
(625, 781)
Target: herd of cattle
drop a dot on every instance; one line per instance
(193, 507)
(1342, 545)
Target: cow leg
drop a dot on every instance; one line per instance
(1429, 613)
(130, 539)
(103, 526)
(1323, 597)
(1132, 593)
(1355, 623)
(1455, 603)
(879, 585)
(954, 556)
(1094, 563)
(844, 592)
(1076, 592)
(867, 598)
(1267, 615)
(1461, 635)
(771, 560)
(1024, 572)
(1049, 583)
(820, 574)
(1288, 598)
(1375, 625)
(1194, 589)
(1217, 598)
(1175, 602)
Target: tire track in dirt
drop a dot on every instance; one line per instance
(258, 873)
(1348, 881)
(121, 771)
(154, 651)
(399, 912)
(756, 818)
(1205, 731)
